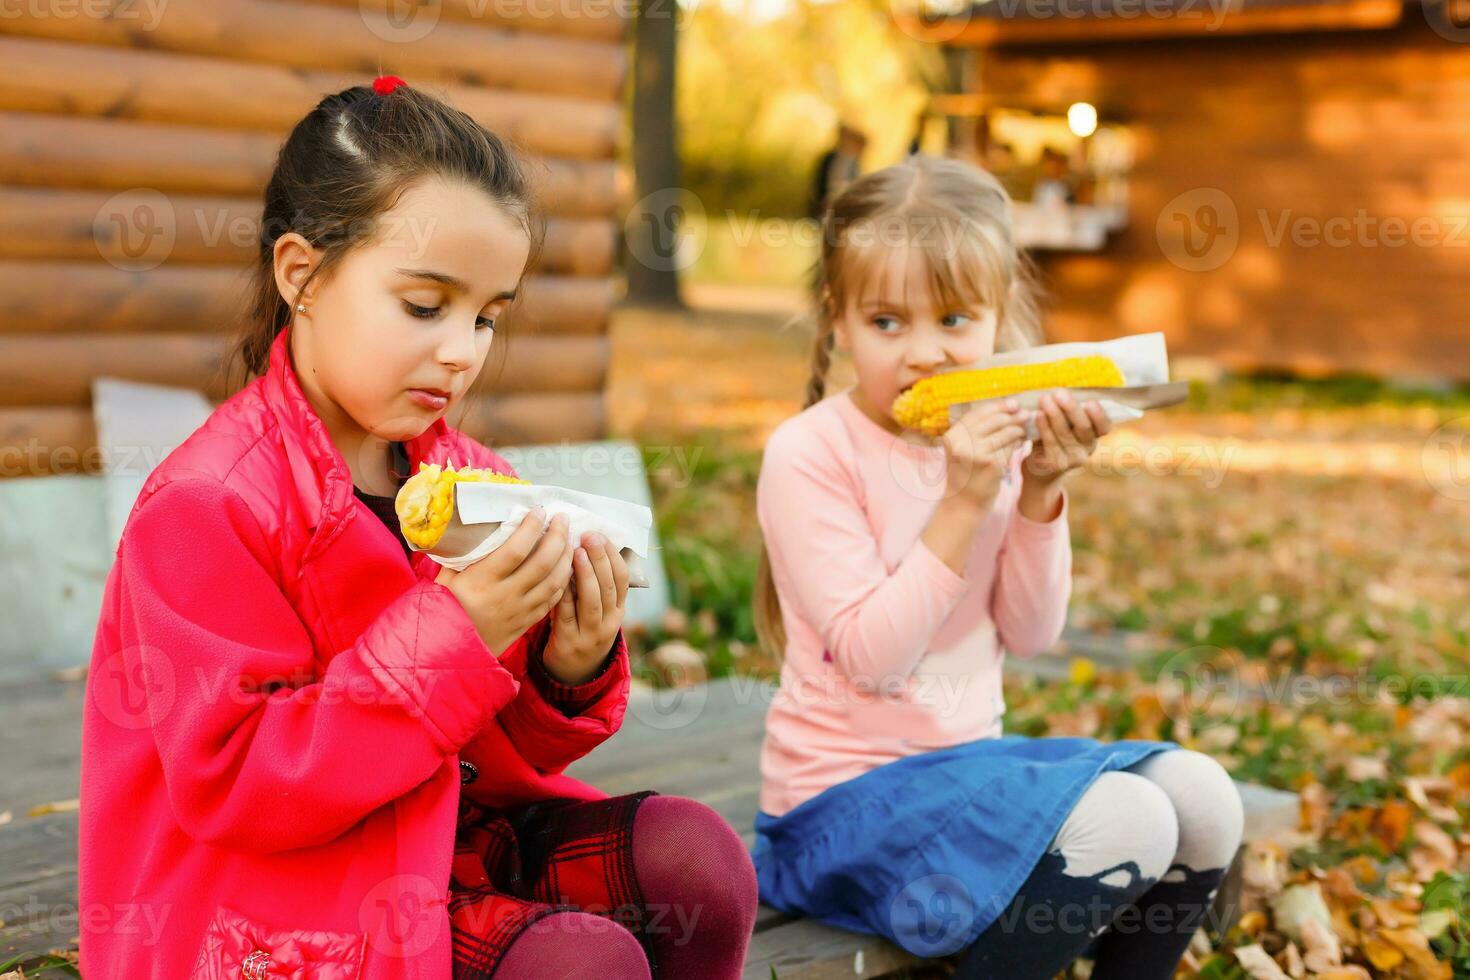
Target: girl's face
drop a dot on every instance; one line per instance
(405, 316)
(898, 333)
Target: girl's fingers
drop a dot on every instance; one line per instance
(550, 552)
(547, 592)
(518, 547)
(1051, 449)
(1055, 415)
(620, 577)
(1008, 437)
(1061, 427)
(985, 422)
(589, 594)
(1079, 420)
(602, 566)
(566, 610)
(1100, 421)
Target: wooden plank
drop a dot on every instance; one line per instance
(603, 20)
(51, 223)
(66, 78)
(1368, 110)
(96, 298)
(56, 440)
(808, 950)
(316, 37)
(42, 734)
(47, 441)
(76, 151)
(1346, 15)
(576, 417)
(58, 369)
(38, 890)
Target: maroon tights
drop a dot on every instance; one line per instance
(700, 892)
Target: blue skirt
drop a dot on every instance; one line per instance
(928, 850)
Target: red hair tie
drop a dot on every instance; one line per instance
(385, 84)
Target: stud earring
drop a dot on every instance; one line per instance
(300, 308)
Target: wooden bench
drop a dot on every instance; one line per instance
(704, 742)
(701, 742)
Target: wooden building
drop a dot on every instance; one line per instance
(136, 139)
(1299, 193)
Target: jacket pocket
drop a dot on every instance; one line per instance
(239, 948)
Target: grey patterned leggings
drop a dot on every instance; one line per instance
(1130, 875)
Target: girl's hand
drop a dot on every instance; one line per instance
(516, 585)
(978, 450)
(590, 614)
(1068, 435)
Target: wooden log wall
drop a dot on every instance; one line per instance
(1330, 148)
(184, 110)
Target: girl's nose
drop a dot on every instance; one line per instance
(924, 356)
(458, 349)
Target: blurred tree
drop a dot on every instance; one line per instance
(764, 83)
(653, 278)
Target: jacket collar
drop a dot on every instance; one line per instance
(318, 472)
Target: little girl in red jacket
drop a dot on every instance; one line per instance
(311, 753)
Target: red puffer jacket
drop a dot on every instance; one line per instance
(278, 706)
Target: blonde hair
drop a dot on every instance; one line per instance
(959, 217)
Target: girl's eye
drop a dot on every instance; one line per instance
(962, 319)
(428, 312)
(879, 321)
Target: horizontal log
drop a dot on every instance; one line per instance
(70, 151)
(63, 440)
(48, 441)
(1360, 15)
(602, 20)
(58, 369)
(97, 298)
(317, 37)
(525, 419)
(65, 78)
(49, 223)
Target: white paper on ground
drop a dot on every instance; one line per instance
(1142, 358)
(625, 524)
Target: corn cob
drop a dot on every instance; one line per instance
(925, 406)
(426, 500)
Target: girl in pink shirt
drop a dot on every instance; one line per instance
(309, 753)
(899, 574)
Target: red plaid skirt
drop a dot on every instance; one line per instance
(514, 867)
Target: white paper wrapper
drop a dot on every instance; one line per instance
(486, 514)
(1142, 358)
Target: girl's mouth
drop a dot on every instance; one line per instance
(432, 400)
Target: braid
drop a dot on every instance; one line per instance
(816, 386)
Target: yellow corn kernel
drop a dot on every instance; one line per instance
(925, 406)
(426, 500)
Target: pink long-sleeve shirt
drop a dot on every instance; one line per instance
(889, 651)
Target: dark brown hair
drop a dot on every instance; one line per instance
(959, 217)
(347, 162)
